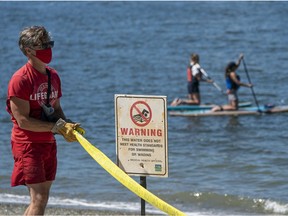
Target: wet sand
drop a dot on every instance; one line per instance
(19, 209)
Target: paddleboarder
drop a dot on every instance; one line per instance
(233, 83)
(195, 74)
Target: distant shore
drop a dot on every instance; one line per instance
(19, 209)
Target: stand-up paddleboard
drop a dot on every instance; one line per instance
(125, 179)
(202, 106)
(240, 111)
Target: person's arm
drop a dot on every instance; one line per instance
(20, 109)
(197, 73)
(205, 77)
(241, 56)
(58, 112)
(233, 76)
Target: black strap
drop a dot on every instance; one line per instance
(49, 87)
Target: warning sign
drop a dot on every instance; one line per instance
(141, 134)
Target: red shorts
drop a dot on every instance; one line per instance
(33, 163)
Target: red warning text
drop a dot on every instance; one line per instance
(141, 132)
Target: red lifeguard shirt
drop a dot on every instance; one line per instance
(30, 85)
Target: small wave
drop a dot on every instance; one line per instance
(84, 204)
(79, 203)
(275, 207)
(201, 204)
(230, 204)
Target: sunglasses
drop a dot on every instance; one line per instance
(49, 44)
(46, 45)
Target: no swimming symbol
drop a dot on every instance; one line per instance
(140, 113)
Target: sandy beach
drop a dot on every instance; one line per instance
(18, 209)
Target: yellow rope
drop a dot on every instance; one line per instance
(125, 179)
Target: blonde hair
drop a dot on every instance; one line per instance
(33, 36)
(195, 58)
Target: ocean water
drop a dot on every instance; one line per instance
(217, 165)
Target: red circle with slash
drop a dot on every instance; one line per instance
(140, 113)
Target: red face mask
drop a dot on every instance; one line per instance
(44, 55)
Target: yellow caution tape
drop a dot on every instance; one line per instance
(125, 179)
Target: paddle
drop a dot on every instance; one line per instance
(218, 87)
(215, 84)
(252, 90)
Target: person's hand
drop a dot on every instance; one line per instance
(250, 85)
(66, 129)
(78, 128)
(241, 56)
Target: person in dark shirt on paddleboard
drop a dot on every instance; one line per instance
(233, 83)
(195, 74)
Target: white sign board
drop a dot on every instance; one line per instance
(141, 134)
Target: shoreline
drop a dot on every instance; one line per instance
(19, 209)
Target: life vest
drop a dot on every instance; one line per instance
(189, 73)
(190, 76)
(230, 84)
